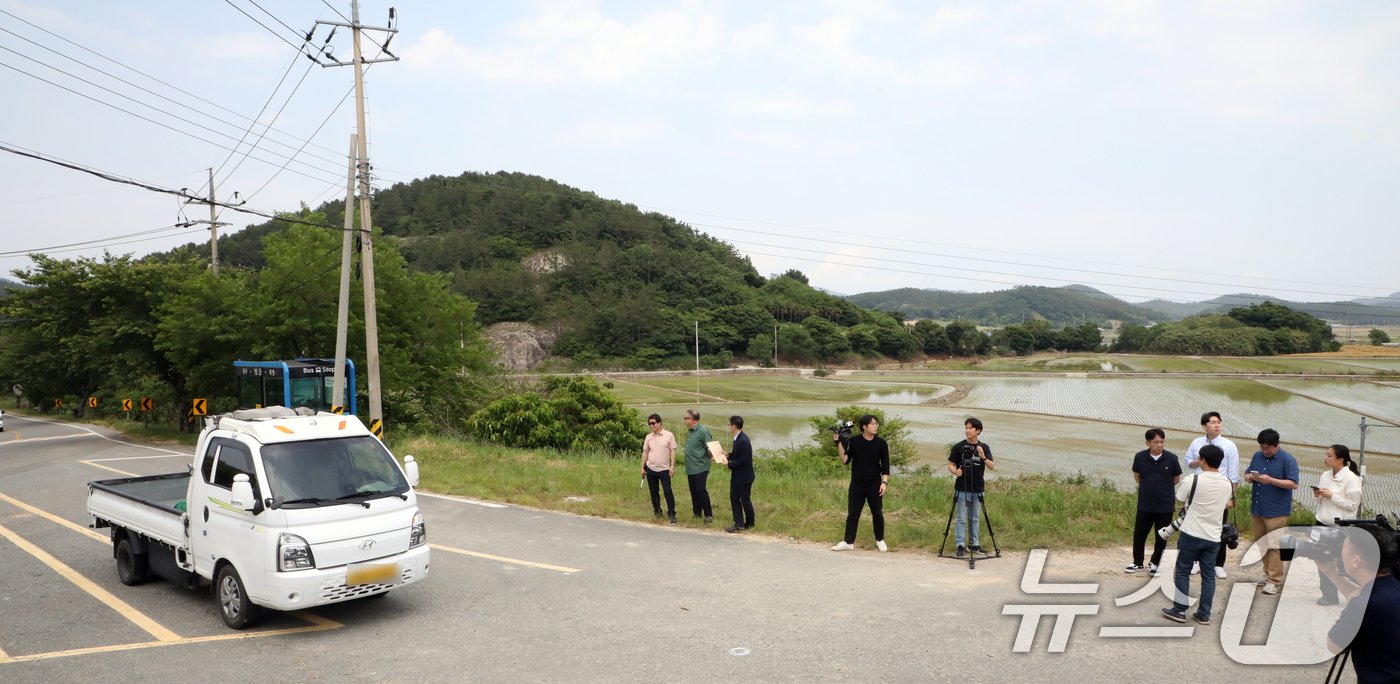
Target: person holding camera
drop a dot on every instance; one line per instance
(967, 461)
(1273, 473)
(659, 464)
(1212, 424)
(1370, 629)
(1206, 494)
(1338, 495)
(869, 458)
(1156, 472)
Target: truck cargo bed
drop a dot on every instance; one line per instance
(153, 505)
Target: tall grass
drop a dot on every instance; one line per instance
(808, 503)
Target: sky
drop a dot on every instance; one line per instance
(1177, 150)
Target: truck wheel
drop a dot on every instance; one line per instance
(132, 567)
(234, 607)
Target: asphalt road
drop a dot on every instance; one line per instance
(517, 594)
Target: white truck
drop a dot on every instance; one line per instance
(280, 509)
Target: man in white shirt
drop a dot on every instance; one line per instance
(1230, 468)
(1209, 493)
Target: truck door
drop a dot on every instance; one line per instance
(217, 529)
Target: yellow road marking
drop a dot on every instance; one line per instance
(168, 638)
(531, 564)
(105, 539)
(318, 624)
(135, 616)
(99, 465)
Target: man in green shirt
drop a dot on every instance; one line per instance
(697, 464)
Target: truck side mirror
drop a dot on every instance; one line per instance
(242, 496)
(410, 468)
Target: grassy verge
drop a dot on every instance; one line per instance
(1027, 512)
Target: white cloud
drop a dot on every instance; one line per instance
(788, 105)
(1259, 61)
(612, 132)
(578, 43)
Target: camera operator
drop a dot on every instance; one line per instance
(967, 461)
(1375, 650)
(1338, 495)
(869, 457)
(1206, 494)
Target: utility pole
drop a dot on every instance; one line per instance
(213, 224)
(775, 346)
(697, 357)
(343, 312)
(376, 407)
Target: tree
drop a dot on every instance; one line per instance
(894, 430)
(1378, 337)
(1131, 338)
(933, 339)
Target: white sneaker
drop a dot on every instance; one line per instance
(1195, 568)
(880, 544)
(843, 546)
(1220, 572)
(1152, 569)
(1270, 588)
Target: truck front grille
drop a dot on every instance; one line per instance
(338, 591)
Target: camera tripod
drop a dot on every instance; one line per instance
(966, 481)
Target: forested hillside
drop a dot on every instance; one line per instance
(610, 280)
(1059, 305)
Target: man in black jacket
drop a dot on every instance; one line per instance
(740, 477)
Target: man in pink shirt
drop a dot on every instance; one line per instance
(659, 464)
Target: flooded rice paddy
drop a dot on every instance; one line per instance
(1058, 424)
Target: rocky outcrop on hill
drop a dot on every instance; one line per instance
(522, 346)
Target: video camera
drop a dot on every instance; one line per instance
(968, 456)
(1324, 544)
(842, 429)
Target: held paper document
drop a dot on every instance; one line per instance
(717, 453)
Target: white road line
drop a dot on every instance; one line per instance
(88, 431)
(449, 497)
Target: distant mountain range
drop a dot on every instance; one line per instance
(1074, 304)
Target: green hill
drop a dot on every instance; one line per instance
(1059, 305)
(606, 278)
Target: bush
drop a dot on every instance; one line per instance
(567, 413)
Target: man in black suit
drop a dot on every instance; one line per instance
(740, 477)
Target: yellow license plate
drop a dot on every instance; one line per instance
(371, 574)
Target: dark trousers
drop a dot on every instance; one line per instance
(1219, 557)
(1147, 523)
(740, 501)
(699, 495)
(856, 499)
(664, 479)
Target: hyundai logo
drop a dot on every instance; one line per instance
(366, 544)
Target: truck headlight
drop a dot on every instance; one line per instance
(293, 553)
(418, 533)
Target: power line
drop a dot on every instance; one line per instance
(1014, 263)
(279, 36)
(88, 244)
(144, 75)
(183, 194)
(254, 123)
(136, 101)
(150, 120)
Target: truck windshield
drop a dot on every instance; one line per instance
(331, 470)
